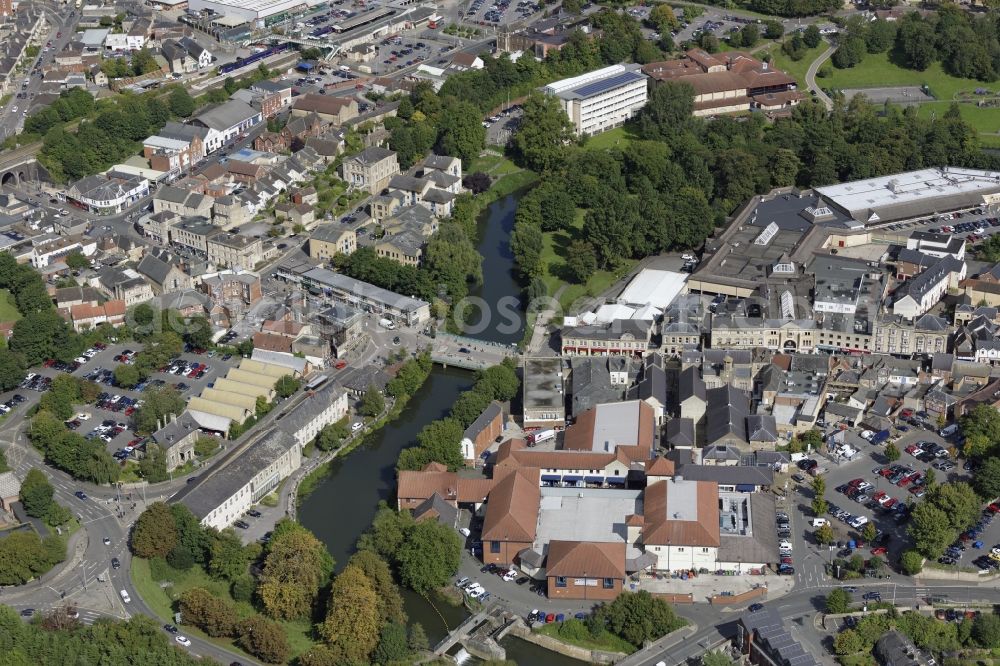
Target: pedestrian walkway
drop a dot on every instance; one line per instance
(704, 586)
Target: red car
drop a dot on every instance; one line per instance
(994, 507)
(786, 560)
(881, 550)
(551, 617)
(886, 472)
(891, 503)
(340, 365)
(878, 495)
(913, 449)
(855, 483)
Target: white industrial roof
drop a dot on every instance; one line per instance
(164, 142)
(607, 313)
(909, 187)
(261, 7)
(653, 287)
(210, 421)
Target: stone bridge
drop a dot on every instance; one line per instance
(20, 165)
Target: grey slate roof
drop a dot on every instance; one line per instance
(175, 431)
(726, 413)
(226, 115)
(680, 432)
(153, 268)
(371, 155)
(446, 513)
(483, 420)
(690, 384)
(728, 475)
(307, 410)
(214, 488)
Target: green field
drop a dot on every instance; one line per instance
(876, 70)
(161, 600)
(492, 165)
(618, 137)
(553, 246)
(796, 68)
(8, 311)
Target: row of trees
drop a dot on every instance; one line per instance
(84, 459)
(686, 174)
(946, 511)
(926, 632)
(219, 618)
(139, 63)
(108, 641)
(440, 441)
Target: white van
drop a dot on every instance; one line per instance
(125, 596)
(948, 431)
(820, 522)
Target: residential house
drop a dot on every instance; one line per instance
(164, 272)
(371, 170)
(336, 110)
(226, 122)
(234, 251)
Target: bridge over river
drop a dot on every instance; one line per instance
(469, 353)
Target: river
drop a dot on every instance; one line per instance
(344, 503)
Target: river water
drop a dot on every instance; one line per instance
(344, 503)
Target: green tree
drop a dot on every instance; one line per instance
(286, 386)
(429, 556)
(545, 131)
(959, 502)
(216, 617)
(824, 535)
(332, 436)
(180, 102)
(581, 261)
(12, 370)
(392, 644)
(418, 638)
(637, 617)
(460, 131)
(452, 260)
(37, 493)
(526, 244)
(891, 452)
(819, 506)
(838, 601)
(981, 427)
(811, 36)
(848, 642)
(372, 402)
(264, 639)
(153, 466)
(916, 42)
(127, 376)
(296, 566)
(668, 110)
(390, 602)
(987, 478)
(819, 485)
(715, 658)
(498, 382)
(228, 558)
(850, 52)
(155, 532)
(869, 532)
(986, 630)
(931, 530)
(352, 625)
(76, 261)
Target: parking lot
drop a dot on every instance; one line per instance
(401, 51)
(499, 12)
(500, 127)
(869, 488)
(974, 225)
(110, 418)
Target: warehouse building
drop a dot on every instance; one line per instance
(603, 99)
(913, 194)
(251, 11)
(224, 494)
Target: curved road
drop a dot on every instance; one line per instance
(88, 557)
(811, 75)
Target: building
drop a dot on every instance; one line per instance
(170, 155)
(680, 525)
(733, 82)
(913, 194)
(544, 394)
(177, 437)
(10, 485)
(602, 99)
(919, 294)
(185, 203)
(335, 110)
(226, 122)
(370, 170)
(322, 407)
(231, 251)
(85, 317)
(241, 12)
(482, 433)
(107, 195)
(329, 240)
(222, 495)
(339, 287)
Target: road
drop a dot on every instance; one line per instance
(811, 76)
(102, 515)
(59, 20)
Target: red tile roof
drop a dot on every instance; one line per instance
(512, 512)
(586, 559)
(662, 528)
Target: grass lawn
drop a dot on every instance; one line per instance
(796, 68)
(492, 165)
(161, 600)
(607, 641)
(553, 246)
(8, 311)
(986, 121)
(618, 137)
(876, 70)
